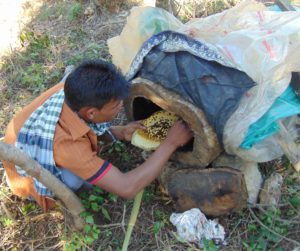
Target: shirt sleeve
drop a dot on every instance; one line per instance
(78, 157)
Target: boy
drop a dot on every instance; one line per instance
(59, 130)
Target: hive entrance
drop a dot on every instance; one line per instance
(143, 108)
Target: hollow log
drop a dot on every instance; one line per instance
(147, 97)
(216, 191)
(11, 154)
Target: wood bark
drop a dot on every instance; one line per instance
(11, 154)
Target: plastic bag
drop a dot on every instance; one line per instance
(264, 44)
(192, 226)
(142, 23)
(286, 105)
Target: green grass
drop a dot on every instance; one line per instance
(74, 11)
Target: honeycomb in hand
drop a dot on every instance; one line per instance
(157, 127)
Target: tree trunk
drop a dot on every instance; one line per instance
(11, 154)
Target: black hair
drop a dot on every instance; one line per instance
(94, 83)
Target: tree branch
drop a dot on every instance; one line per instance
(11, 154)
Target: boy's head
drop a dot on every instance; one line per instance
(95, 89)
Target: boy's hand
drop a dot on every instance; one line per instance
(125, 132)
(179, 134)
(130, 128)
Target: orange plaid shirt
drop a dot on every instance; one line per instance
(74, 147)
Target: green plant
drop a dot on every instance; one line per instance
(263, 236)
(93, 203)
(157, 226)
(80, 240)
(161, 219)
(120, 154)
(28, 208)
(209, 245)
(74, 11)
(5, 221)
(149, 193)
(36, 43)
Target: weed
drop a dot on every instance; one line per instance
(157, 226)
(37, 42)
(5, 221)
(74, 11)
(93, 203)
(209, 245)
(80, 240)
(260, 238)
(28, 208)
(121, 155)
(148, 194)
(92, 51)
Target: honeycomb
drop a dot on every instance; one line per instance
(157, 127)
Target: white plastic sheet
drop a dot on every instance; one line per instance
(262, 43)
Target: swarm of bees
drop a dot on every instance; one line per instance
(157, 127)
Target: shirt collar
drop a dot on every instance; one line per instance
(75, 124)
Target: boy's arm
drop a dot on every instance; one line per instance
(127, 185)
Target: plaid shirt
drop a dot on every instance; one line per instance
(36, 137)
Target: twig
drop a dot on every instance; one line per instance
(2, 193)
(8, 213)
(231, 232)
(39, 239)
(267, 205)
(270, 230)
(276, 244)
(110, 225)
(123, 218)
(44, 215)
(279, 219)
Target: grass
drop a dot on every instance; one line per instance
(61, 34)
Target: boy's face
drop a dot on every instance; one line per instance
(108, 112)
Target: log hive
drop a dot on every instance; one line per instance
(216, 191)
(146, 97)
